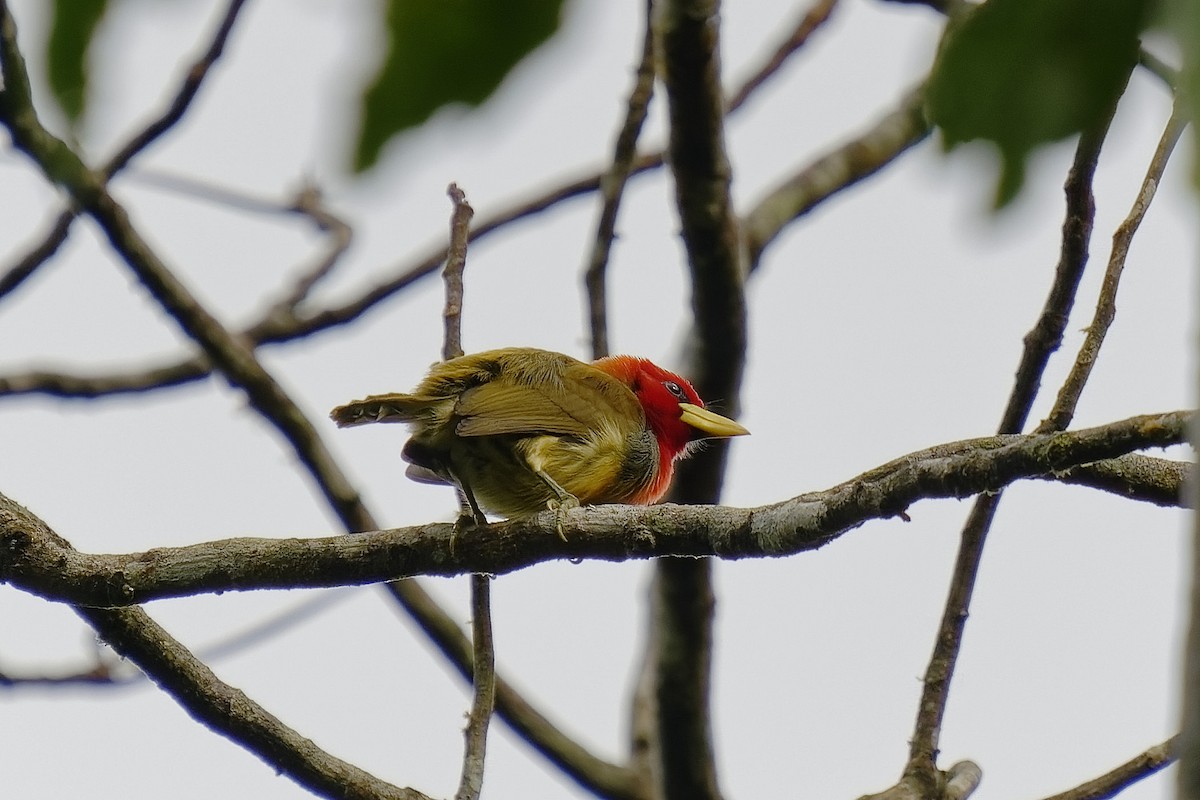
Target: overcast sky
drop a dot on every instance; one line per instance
(887, 321)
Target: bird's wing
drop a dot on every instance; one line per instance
(493, 409)
(584, 400)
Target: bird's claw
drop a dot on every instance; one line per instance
(560, 506)
(465, 522)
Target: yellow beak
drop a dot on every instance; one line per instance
(707, 422)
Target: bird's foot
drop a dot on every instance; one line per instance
(466, 521)
(560, 506)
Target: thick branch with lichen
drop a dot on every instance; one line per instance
(38, 561)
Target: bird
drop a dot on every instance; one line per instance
(519, 430)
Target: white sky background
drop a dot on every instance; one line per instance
(889, 320)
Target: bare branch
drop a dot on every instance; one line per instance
(484, 696)
(175, 111)
(308, 203)
(483, 653)
(612, 187)
(187, 92)
(100, 674)
(456, 262)
(941, 6)
(1046, 336)
(220, 707)
(687, 49)
(962, 779)
(577, 762)
(228, 711)
(280, 327)
(58, 384)
(1136, 477)
(808, 24)
(1106, 305)
(233, 355)
(1040, 342)
(1135, 769)
(839, 169)
(41, 252)
(1160, 69)
(44, 565)
(624, 164)
(957, 783)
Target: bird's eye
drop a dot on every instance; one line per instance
(676, 391)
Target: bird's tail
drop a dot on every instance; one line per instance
(384, 408)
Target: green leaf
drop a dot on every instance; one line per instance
(1020, 73)
(71, 31)
(442, 52)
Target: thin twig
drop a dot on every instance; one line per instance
(1160, 69)
(598, 776)
(1046, 336)
(484, 697)
(1111, 783)
(612, 188)
(41, 252)
(208, 191)
(832, 172)
(194, 78)
(1106, 305)
(182, 101)
(456, 262)
(1040, 342)
(230, 712)
(805, 27)
(100, 674)
(483, 660)
(278, 328)
(115, 673)
(308, 203)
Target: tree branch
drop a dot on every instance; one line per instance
(278, 327)
(612, 188)
(170, 117)
(808, 24)
(308, 203)
(1136, 477)
(839, 169)
(233, 356)
(39, 562)
(688, 53)
(228, 711)
(1106, 305)
(483, 653)
(1040, 342)
(456, 262)
(215, 704)
(1111, 783)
